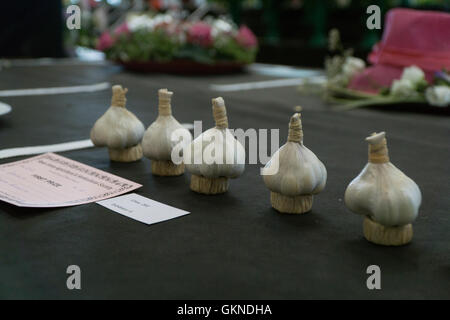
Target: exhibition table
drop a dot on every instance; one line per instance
(231, 246)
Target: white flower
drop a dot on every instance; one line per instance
(413, 74)
(438, 96)
(353, 66)
(140, 22)
(163, 18)
(144, 21)
(339, 80)
(220, 26)
(403, 88)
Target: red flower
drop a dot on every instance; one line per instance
(200, 33)
(246, 37)
(122, 29)
(105, 41)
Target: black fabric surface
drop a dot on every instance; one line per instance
(231, 246)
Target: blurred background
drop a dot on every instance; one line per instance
(292, 32)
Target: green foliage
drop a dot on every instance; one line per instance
(229, 50)
(442, 78)
(422, 86)
(385, 91)
(143, 45)
(196, 53)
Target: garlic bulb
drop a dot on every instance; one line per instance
(385, 196)
(158, 141)
(215, 155)
(294, 173)
(119, 130)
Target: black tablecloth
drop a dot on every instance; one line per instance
(233, 245)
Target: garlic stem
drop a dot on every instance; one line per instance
(378, 151)
(118, 98)
(164, 107)
(295, 129)
(220, 113)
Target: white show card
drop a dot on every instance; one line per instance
(51, 180)
(58, 147)
(142, 209)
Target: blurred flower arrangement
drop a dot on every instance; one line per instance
(164, 38)
(412, 86)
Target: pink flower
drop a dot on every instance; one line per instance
(246, 37)
(105, 41)
(93, 4)
(200, 33)
(122, 29)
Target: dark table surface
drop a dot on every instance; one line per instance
(232, 246)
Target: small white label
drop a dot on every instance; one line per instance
(142, 209)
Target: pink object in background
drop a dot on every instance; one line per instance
(200, 33)
(246, 38)
(410, 37)
(122, 29)
(105, 41)
(50, 180)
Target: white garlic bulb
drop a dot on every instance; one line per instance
(386, 196)
(215, 155)
(294, 173)
(119, 130)
(158, 141)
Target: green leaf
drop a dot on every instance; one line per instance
(379, 101)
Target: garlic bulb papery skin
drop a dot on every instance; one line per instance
(294, 173)
(119, 130)
(387, 198)
(210, 174)
(158, 144)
